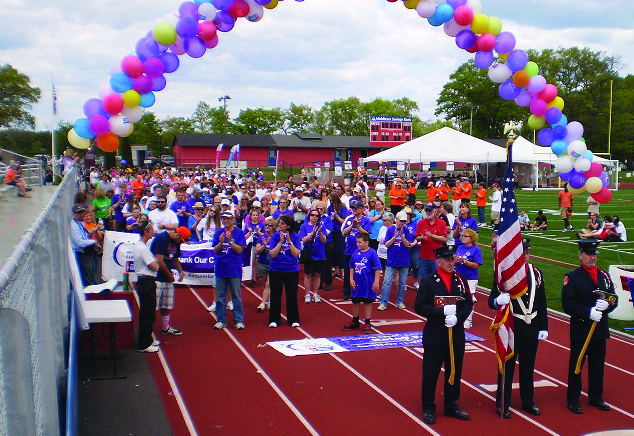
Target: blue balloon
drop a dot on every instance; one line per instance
(546, 137)
(565, 176)
(560, 131)
(589, 155)
(444, 13)
(147, 100)
(81, 128)
(484, 59)
(559, 147)
(508, 91)
(120, 82)
(562, 122)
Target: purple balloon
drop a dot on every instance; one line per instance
(146, 48)
(153, 67)
(170, 61)
(223, 5)
(505, 42)
(188, 9)
(524, 98)
(224, 21)
(465, 39)
(263, 2)
(484, 59)
(553, 115)
(566, 176)
(158, 83)
(546, 137)
(93, 107)
(455, 3)
(99, 125)
(508, 91)
(605, 179)
(142, 84)
(576, 180)
(195, 47)
(560, 132)
(178, 47)
(517, 60)
(186, 27)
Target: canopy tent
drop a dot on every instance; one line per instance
(528, 150)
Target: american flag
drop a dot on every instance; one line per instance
(509, 266)
(54, 101)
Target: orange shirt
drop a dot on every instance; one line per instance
(398, 197)
(444, 192)
(431, 194)
(456, 191)
(481, 196)
(565, 198)
(411, 191)
(467, 189)
(137, 186)
(9, 176)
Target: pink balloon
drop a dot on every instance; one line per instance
(463, 15)
(206, 30)
(486, 42)
(603, 196)
(178, 47)
(112, 104)
(132, 66)
(213, 42)
(142, 84)
(539, 107)
(99, 125)
(595, 170)
(549, 93)
(153, 67)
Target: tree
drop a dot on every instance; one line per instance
(147, 131)
(299, 119)
(207, 119)
(171, 127)
(16, 97)
(343, 117)
(258, 121)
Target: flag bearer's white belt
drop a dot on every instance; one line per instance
(527, 318)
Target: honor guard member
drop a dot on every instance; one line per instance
(587, 296)
(531, 326)
(445, 300)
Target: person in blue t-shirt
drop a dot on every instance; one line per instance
(364, 281)
(463, 221)
(282, 209)
(264, 261)
(117, 203)
(398, 240)
(284, 250)
(315, 232)
(182, 209)
(468, 260)
(326, 223)
(228, 243)
(351, 227)
(337, 212)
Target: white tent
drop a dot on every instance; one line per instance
(524, 147)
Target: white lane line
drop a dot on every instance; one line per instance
(359, 375)
(261, 371)
(170, 379)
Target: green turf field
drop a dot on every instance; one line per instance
(556, 245)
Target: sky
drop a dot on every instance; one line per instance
(306, 52)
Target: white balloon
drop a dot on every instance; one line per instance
(452, 28)
(170, 18)
(564, 164)
(133, 114)
(582, 164)
(105, 89)
(500, 73)
(426, 8)
(207, 11)
(120, 125)
(256, 11)
(475, 6)
(577, 149)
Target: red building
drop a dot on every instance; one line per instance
(388, 132)
(296, 150)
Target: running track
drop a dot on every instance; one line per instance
(230, 382)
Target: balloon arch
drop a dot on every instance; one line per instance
(194, 30)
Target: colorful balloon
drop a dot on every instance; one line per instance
(98, 125)
(577, 180)
(465, 39)
(603, 196)
(505, 43)
(536, 84)
(595, 170)
(486, 42)
(480, 23)
(546, 137)
(521, 79)
(559, 147)
(77, 141)
(132, 66)
(426, 8)
(549, 93)
(508, 91)
(164, 34)
(82, 129)
(484, 59)
(499, 73)
(532, 69)
(463, 15)
(517, 60)
(108, 142)
(535, 122)
(564, 164)
(131, 98)
(524, 98)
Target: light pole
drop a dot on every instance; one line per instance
(470, 106)
(224, 105)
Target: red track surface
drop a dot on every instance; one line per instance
(229, 383)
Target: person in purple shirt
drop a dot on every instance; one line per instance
(337, 212)
(326, 222)
(353, 225)
(313, 231)
(282, 209)
(284, 250)
(197, 197)
(117, 203)
(182, 209)
(464, 221)
(398, 240)
(468, 260)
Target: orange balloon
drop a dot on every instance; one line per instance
(521, 78)
(108, 142)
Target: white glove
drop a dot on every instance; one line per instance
(542, 335)
(595, 315)
(503, 299)
(449, 309)
(601, 305)
(451, 320)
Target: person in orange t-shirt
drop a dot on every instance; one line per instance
(397, 197)
(565, 207)
(467, 190)
(456, 193)
(432, 191)
(137, 186)
(443, 190)
(481, 202)
(411, 191)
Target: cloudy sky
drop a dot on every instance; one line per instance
(306, 53)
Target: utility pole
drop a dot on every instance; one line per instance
(224, 105)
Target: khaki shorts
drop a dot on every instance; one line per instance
(495, 217)
(165, 295)
(565, 212)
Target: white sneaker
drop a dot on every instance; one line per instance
(151, 349)
(239, 326)
(382, 306)
(212, 308)
(219, 326)
(156, 342)
(307, 298)
(295, 325)
(273, 325)
(262, 307)
(564, 230)
(230, 305)
(400, 306)
(317, 298)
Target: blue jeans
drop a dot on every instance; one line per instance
(426, 267)
(413, 260)
(233, 283)
(387, 283)
(481, 217)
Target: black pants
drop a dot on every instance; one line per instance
(595, 354)
(346, 276)
(326, 274)
(395, 209)
(339, 243)
(146, 290)
(525, 353)
(288, 282)
(374, 244)
(87, 268)
(119, 226)
(433, 361)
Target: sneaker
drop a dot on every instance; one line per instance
(239, 326)
(327, 287)
(273, 325)
(400, 306)
(156, 342)
(564, 231)
(307, 298)
(317, 298)
(295, 325)
(151, 349)
(382, 306)
(367, 328)
(172, 331)
(230, 305)
(212, 308)
(261, 307)
(346, 297)
(219, 326)
(352, 326)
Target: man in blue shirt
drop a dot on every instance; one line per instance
(182, 209)
(398, 240)
(353, 225)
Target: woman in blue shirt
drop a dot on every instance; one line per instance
(282, 209)
(376, 218)
(468, 260)
(464, 221)
(284, 250)
(337, 213)
(313, 230)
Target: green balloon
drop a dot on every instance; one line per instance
(164, 34)
(532, 69)
(582, 139)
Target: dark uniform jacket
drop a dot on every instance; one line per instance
(540, 322)
(435, 333)
(577, 298)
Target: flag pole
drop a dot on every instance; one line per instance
(54, 100)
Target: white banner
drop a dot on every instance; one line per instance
(338, 171)
(117, 250)
(318, 172)
(306, 347)
(450, 166)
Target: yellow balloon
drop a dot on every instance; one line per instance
(593, 185)
(77, 141)
(271, 5)
(577, 191)
(130, 132)
(131, 98)
(480, 23)
(164, 34)
(495, 26)
(558, 102)
(411, 4)
(504, 57)
(535, 122)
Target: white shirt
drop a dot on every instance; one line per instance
(382, 250)
(452, 219)
(162, 216)
(345, 199)
(496, 206)
(206, 234)
(260, 193)
(142, 257)
(621, 231)
(380, 189)
(298, 214)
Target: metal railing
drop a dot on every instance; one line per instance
(34, 322)
(32, 169)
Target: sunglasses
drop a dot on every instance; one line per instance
(268, 225)
(161, 202)
(226, 218)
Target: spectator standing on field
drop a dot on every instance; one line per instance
(481, 202)
(496, 204)
(565, 207)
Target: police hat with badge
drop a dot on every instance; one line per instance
(589, 246)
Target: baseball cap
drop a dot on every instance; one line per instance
(184, 233)
(402, 215)
(430, 206)
(198, 205)
(79, 208)
(355, 204)
(256, 204)
(226, 214)
(225, 202)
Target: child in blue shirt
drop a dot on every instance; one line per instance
(365, 273)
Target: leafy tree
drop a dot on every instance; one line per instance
(16, 97)
(168, 129)
(147, 131)
(299, 119)
(343, 117)
(207, 119)
(258, 121)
